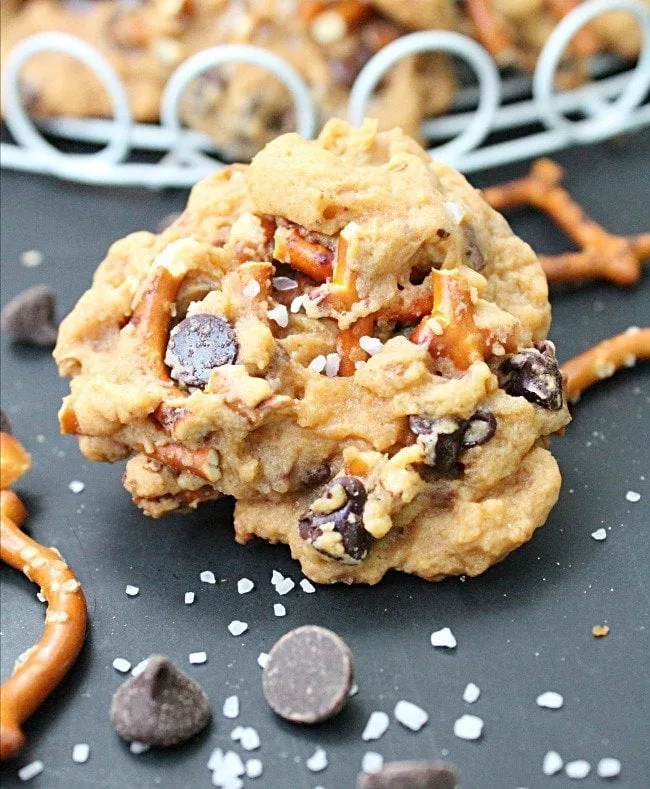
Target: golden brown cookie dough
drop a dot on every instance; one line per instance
(347, 339)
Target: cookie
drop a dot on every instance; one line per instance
(369, 397)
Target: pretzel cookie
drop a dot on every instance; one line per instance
(347, 339)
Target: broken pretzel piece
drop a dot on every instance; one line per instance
(602, 255)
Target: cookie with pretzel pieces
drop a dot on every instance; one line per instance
(347, 339)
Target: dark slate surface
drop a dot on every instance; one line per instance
(522, 628)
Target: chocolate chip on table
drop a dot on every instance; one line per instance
(30, 317)
(308, 675)
(411, 775)
(162, 706)
(5, 424)
(334, 522)
(197, 345)
(534, 373)
(445, 438)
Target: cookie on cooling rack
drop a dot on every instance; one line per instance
(345, 338)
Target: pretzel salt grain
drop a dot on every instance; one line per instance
(40, 669)
(602, 255)
(604, 359)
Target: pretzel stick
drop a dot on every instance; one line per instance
(347, 344)
(490, 32)
(584, 43)
(602, 254)
(14, 460)
(310, 257)
(409, 305)
(201, 462)
(39, 670)
(604, 359)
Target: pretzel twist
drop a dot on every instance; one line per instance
(490, 32)
(39, 670)
(602, 255)
(604, 359)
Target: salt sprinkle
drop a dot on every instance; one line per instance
(297, 304)
(236, 627)
(231, 707)
(599, 534)
(254, 768)
(216, 757)
(251, 289)
(353, 690)
(249, 739)
(138, 747)
(285, 586)
(132, 591)
(207, 576)
(318, 761)
(455, 211)
(552, 763)
(471, 693)
(80, 753)
(226, 768)
(189, 598)
(280, 315)
(307, 586)
(443, 638)
(196, 658)
(608, 767)
(276, 577)
(550, 700)
(121, 664)
(30, 770)
(371, 345)
(632, 496)
(139, 668)
(31, 258)
(236, 733)
(317, 364)
(332, 364)
(578, 769)
(262, 659)
(279, 609)
(40, 597)
(410, 715)
(372, 762)
(284, 283)
(76, 486)
(468, 727)
(377, 724)
(245, 585)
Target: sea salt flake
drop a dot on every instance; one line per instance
(332, 364)
(40, 597)
(578, 769)
(280, 315)
(297, 304)
(262, 659)
(471, 693)
(139, 668)
(231, 707)
(31, 258)
(307, 586)
(227, 769)
(599, 534)
(372, 762)
(80, 753)
(276, 577)
(317, 761)
(317, 364)
(279, 609)
(371, 345)
(251, 289)
(608, 767)
(632, 496)
(132, 591)
(245, 585)
(196, 658)
(250, 739)
(189, 598)
(552, 763)
(237, 627)
(377, 724)
(410, 715)
(550, 700)
(353, 690)
(121, 664)
(254, 768)
(468, 727)
(443, 638)
(207, 576)
(76, 486)
(284, 283)
(455, 211)
(138, 747)
(30, 770)
(285, 586)
(216, 757)
(236, 733)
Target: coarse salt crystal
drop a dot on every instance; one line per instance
(76, 486)
(132, 591)
(371, 345)
(249, 739)
(550, 700)
(236, 733)
(360, 364)
(317, 364)
(207, 576)
(254, 768)
(251, 289)
(40, 597)
(276, 577)
(285, 586)
(377, 724)
(632, 330)
(297, 304)
(189, 598)
(196, 658)
(262, 659)
(372, 762)
(443, 638)
(608, 767)
(31, 258)
(455, 211)
(332, 364)
(471, 693)
(139, 668)
(317, 761)
(236, 627)
(629, 360)
(599, 534)
(226, 769)
(80, 753)
(632, 496)
(552, 763)
(280, 315)
(30, 770)
(121, 664)
(578, 769)
(307, 586)
(410, 715)
(468, 727)
(216, 757)
(279, 609)
(284, 283)
(138, 747)
(231, 707)
(245, 585)
(353, 690)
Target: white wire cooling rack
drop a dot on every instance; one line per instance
(607, 106)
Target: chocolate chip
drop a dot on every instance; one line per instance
(534, 373)
(197, 345)
(411, 775)
(30, 317)
(308, 675)
(5, 424)
(162, 706)
(445, 438)
(334, 522)
(317, 476)
(480, 429)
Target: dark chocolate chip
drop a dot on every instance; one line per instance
(30, 317)
(411, 775)
(346, 520)
(197, 345)
(442, 441)
(308, 675)
(5, 424)
(162, 706)
(534, 373)
(480, 429)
